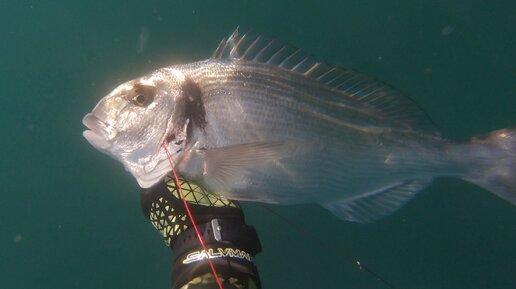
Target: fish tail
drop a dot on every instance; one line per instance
(493, 159)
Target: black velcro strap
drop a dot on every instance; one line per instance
(228, 232)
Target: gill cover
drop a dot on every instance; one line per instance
(132, 122)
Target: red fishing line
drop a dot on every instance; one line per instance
(192, 218)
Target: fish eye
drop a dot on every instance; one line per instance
(143, 95)
(140, 100)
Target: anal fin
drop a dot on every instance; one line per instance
(372, 206)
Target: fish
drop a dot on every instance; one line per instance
(263, 121)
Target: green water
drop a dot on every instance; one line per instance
(70, 216)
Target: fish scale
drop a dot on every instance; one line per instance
(264, 121)
(258, 105)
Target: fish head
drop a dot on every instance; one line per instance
(133, 121)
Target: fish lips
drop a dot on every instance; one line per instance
(98, 133)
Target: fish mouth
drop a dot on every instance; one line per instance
(98, 133)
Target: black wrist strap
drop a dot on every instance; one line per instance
(220, 232)
(231, 246)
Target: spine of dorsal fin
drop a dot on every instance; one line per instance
(351, 84)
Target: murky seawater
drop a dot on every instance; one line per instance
(70, 217)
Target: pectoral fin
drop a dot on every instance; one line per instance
(375, 205)
(230, 167)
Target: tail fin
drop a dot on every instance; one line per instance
(497, 154)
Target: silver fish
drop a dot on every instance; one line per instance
(263, 121)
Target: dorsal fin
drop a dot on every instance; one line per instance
(352, 84)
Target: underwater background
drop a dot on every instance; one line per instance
(70, 216)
